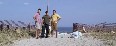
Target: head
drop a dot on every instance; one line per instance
(39, 10)
(54, 11)
(46, 12)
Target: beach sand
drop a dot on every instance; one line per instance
(64, 41)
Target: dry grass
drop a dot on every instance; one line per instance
(7, 37)
(108, 38)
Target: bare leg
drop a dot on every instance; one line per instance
(37, 34)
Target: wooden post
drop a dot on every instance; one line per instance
(47, 5)
(56, 33)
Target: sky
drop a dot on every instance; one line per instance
(71, 11)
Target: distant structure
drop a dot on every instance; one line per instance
(101, 27)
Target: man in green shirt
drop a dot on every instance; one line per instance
(46, 22)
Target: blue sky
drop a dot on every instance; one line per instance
(81, 11)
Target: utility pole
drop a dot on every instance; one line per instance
(47, 4)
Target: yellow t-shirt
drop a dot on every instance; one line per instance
(55, 17)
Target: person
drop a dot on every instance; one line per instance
(37, 22)
(83, 28)
(54, 20)
(45, 25)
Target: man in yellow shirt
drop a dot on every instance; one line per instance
(54, 20)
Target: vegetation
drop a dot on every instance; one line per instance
(8, 36)
(107, 38)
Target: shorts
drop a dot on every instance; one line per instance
(37, 25)
(54, 26)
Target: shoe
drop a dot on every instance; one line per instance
(46, 36)
(42, 36)
(36, 37)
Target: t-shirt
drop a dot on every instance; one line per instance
(37, 17)
(46, 19)
(55, 17)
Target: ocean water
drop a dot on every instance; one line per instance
(65, 29)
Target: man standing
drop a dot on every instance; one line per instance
(45, 25)
(55, 18)
(37, 22)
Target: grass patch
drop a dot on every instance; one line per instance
(8, 36)
(108, 38)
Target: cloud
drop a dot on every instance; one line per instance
(26, 3)
(1, 2)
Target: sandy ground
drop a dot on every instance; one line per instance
(65, 41)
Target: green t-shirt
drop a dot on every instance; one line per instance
(46, 19)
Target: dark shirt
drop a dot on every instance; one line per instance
(46, 19)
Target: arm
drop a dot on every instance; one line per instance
(34, 17)
(49, 18)
(42, 20)
(58, 17)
